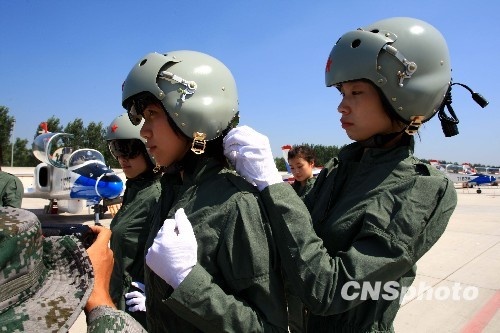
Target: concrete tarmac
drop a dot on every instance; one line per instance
(457, 288)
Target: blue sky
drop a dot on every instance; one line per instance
(69, 59)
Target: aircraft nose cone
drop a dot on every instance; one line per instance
(109, 186)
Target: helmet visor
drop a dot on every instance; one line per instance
(126, 148)
(135, 114)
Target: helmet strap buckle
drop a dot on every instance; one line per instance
(157, 168)
(414, 125)
(199, 143)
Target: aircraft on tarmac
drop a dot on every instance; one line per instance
(71, 179)
(288, 176)
(466, 175)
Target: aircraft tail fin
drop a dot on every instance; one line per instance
(45, 127)
(285, 150)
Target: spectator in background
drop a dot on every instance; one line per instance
(11, 190)
(301, 160)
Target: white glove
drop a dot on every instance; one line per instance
(250, 154)
(136, 299)
(174, 251)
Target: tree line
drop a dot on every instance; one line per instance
(94, 136)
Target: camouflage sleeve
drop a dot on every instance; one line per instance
(107, 319)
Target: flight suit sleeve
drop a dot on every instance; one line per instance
(104, 319)
(253, 296)
(202, 302)
(398, 228)
(13, 195)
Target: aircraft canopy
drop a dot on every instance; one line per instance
(82, 155)
(51, 148)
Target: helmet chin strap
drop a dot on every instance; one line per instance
(380, 140)
(187, 163)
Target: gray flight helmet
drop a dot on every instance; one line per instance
(406, 58)
(121, 128)
(197, 91)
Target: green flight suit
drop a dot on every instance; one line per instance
(236, 286)
(303, 190)
(11, 190)
(130, 231)
(297, 314)
(374, 215)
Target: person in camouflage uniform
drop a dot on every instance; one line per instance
(11, 190)
(46, 282)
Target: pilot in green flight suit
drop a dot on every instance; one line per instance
(130, 226)
(377, 209)
(233, 282)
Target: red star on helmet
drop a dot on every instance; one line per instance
(328, 64)
(114, 128)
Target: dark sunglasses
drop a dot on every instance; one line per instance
(130, 148)
(136, 106)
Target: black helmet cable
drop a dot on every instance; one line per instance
(449, 122)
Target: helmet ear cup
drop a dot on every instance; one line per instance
(406, 58)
